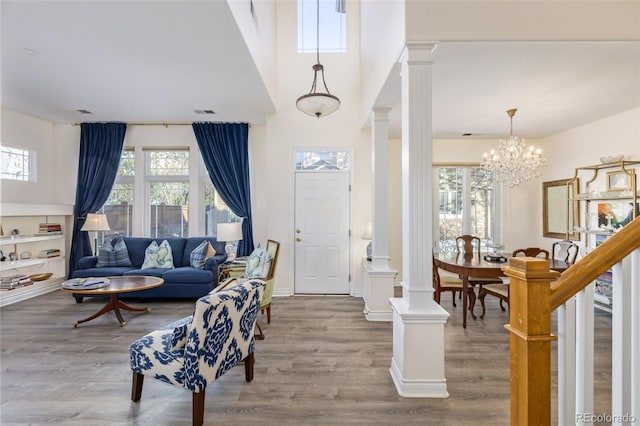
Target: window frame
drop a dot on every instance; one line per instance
(495, 232)
(29, 155)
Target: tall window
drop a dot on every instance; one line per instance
(467, 198)
(119, 205)
(17, 164)
(167, 180)
(333, 27)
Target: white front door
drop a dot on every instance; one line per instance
(322, 233)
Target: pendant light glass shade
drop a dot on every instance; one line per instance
(318, 104)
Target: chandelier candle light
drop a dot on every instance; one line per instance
(514, 163)
(318, 104)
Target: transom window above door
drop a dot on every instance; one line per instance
(323, 160)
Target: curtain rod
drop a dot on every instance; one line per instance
(169, 124)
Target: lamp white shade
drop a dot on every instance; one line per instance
(368, 232)
(96, 222)
(229, 231)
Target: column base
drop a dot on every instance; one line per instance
(378, 289)
(417, 366)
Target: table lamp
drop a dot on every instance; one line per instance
(368, 235)
(229, 232)
(96, 222)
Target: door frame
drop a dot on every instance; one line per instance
(292, 207)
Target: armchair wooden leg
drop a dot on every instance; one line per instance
(198, 408)
(269, 314)
(249, 361)
(136, 386)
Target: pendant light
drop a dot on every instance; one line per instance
(318, 104)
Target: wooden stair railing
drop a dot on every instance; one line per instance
(532, 299)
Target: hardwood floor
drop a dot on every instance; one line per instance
(322, 363)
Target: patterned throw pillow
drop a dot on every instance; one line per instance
(200, 254)
(258, 263)
(117, 255)
(158, 256)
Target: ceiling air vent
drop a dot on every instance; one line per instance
(84, 111)
(204, 111)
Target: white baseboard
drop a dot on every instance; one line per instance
(417, 388)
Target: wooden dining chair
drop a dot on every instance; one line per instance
(469, 244)
(501, 291)
(446, 283)
(566, 251)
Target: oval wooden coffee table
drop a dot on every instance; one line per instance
(117, 285)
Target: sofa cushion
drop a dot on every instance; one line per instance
(158, 256)
(188, 275)
(193, 242)
(116, 255)
(201, 253)
(101, 272)
(136, 246)
(151, 272)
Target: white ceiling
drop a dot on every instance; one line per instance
(159, 61)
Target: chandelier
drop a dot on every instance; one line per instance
(514, 163)
(318, 104)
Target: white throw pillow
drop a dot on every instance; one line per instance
(158, 256)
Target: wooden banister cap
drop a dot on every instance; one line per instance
(529, 267)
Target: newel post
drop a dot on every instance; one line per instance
(530, 339)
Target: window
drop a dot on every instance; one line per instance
(467, 200)
(167, 180)
(119, 205)
(17, 164)
(322, 160)
(333, 27)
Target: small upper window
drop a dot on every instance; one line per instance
(323, 160)
(333, 26)
(17, 164)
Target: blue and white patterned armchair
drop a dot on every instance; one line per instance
(195, 351)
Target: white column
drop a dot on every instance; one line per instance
(378, 278)
(417, 366)
(380, 188)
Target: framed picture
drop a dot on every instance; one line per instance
(615, 214)
(620, 180)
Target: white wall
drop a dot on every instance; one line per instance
(290, 128)
(522, 20)
(25, 132)
(259, 35)
(380, 49)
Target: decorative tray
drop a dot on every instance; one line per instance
(85, 283)
(41, 277)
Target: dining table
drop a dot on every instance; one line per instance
(474, 265)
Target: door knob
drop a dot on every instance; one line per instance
(298, 240)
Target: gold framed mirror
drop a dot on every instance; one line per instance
(560, 209)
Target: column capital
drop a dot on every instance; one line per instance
(418, 51)
(381, 113)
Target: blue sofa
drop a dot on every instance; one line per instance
(183, 281)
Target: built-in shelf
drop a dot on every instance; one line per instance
(23, 263)
(596, 190)
(27, 218)
(6, 241)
